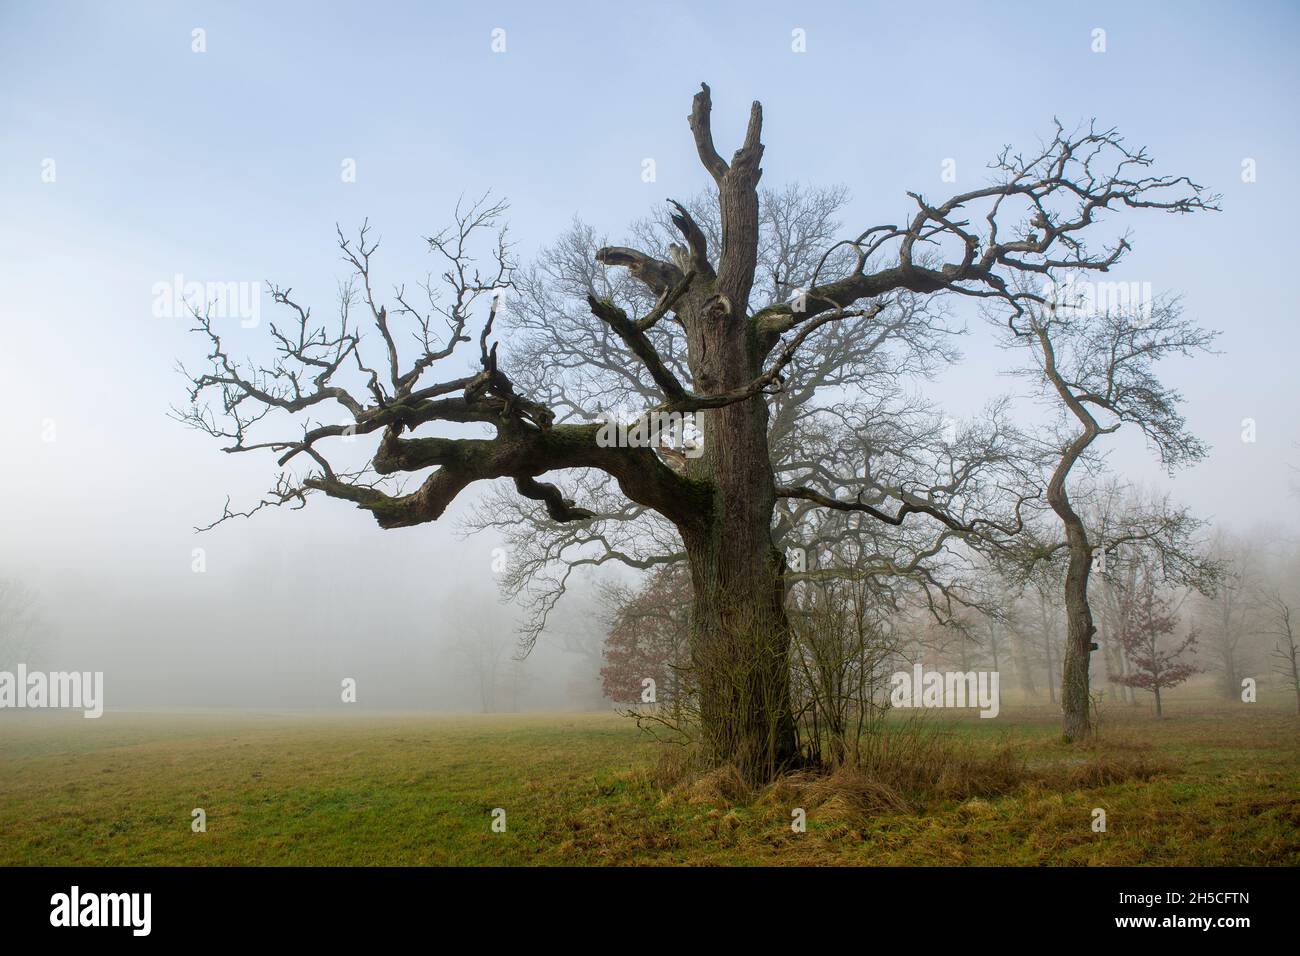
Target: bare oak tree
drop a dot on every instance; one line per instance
(716, 339)
(1099, 367)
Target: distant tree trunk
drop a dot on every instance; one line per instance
(1045, 620)
(993, 645)
(1287, 650)
(1131, 696)
(1230, 682)
(1020, 656)
(1295, 676)
(1108, 650)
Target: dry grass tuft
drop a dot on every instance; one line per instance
(901, 769)
(851, 793)
(676, 766)
(1106, 769)
(721, 787)
(922, 764)
(908, 768)
(681, 778)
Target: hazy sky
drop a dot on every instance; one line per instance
(225, 165)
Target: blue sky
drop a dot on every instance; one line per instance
(226, 165)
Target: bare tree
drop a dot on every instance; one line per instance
(22, 625)
(1286, 652)
(484, 656)
(1100, 367)
(869, 442)
(1021, 654)
(1041, 618)
(1227, 612)
(843, 642)
(711, 344)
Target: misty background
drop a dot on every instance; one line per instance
(225, 166)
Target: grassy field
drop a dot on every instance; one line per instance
(1203, 786)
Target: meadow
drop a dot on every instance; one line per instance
(1211, 784)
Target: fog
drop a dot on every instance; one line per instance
(171, 163)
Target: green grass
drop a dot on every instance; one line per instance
(1216, 786)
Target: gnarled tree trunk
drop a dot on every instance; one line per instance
(740, 643)
(740, 646)
(1076, 699)
(1075, 694)
(740, 654)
